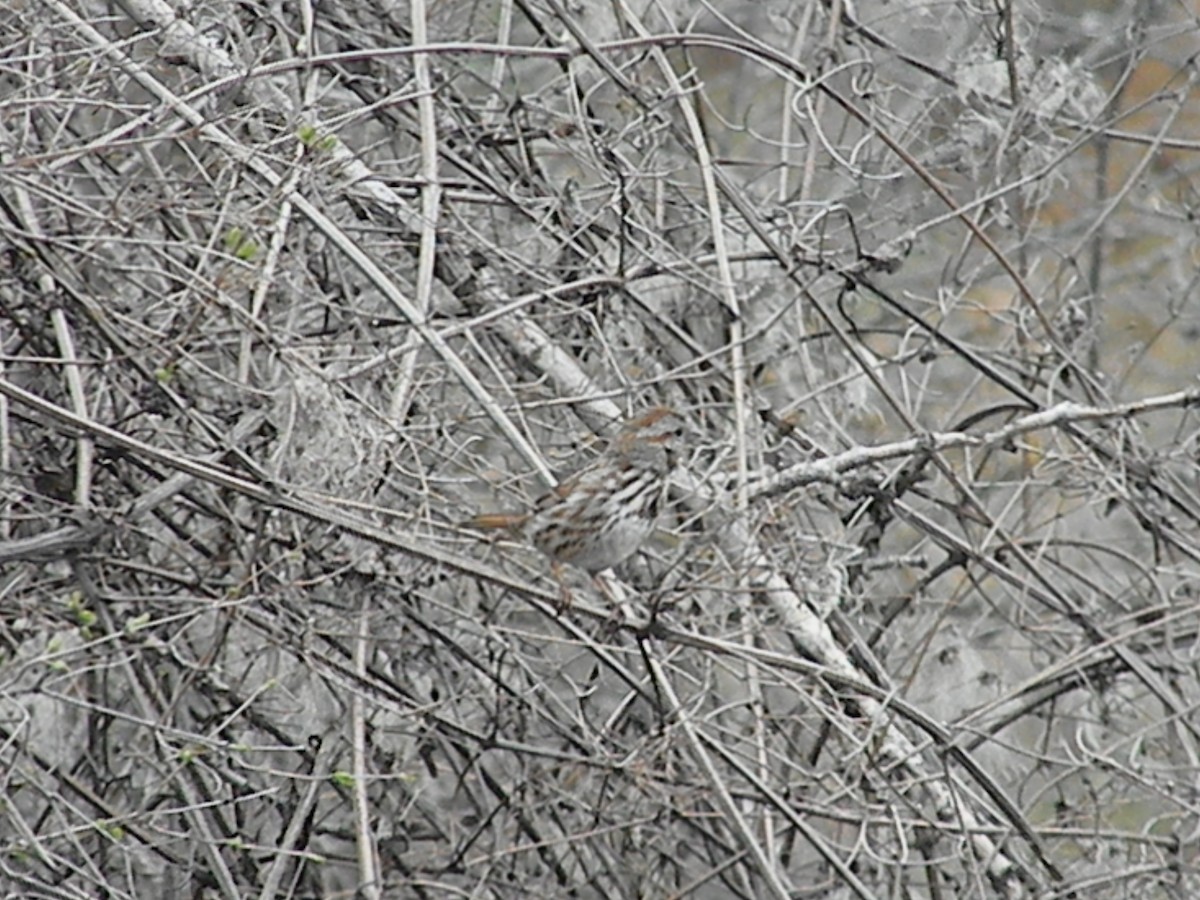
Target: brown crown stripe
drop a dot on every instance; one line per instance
(653, 415)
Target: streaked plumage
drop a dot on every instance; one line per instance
(603, 513)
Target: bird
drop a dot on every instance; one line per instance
(604, 512)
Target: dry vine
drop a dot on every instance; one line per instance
(288, 292)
